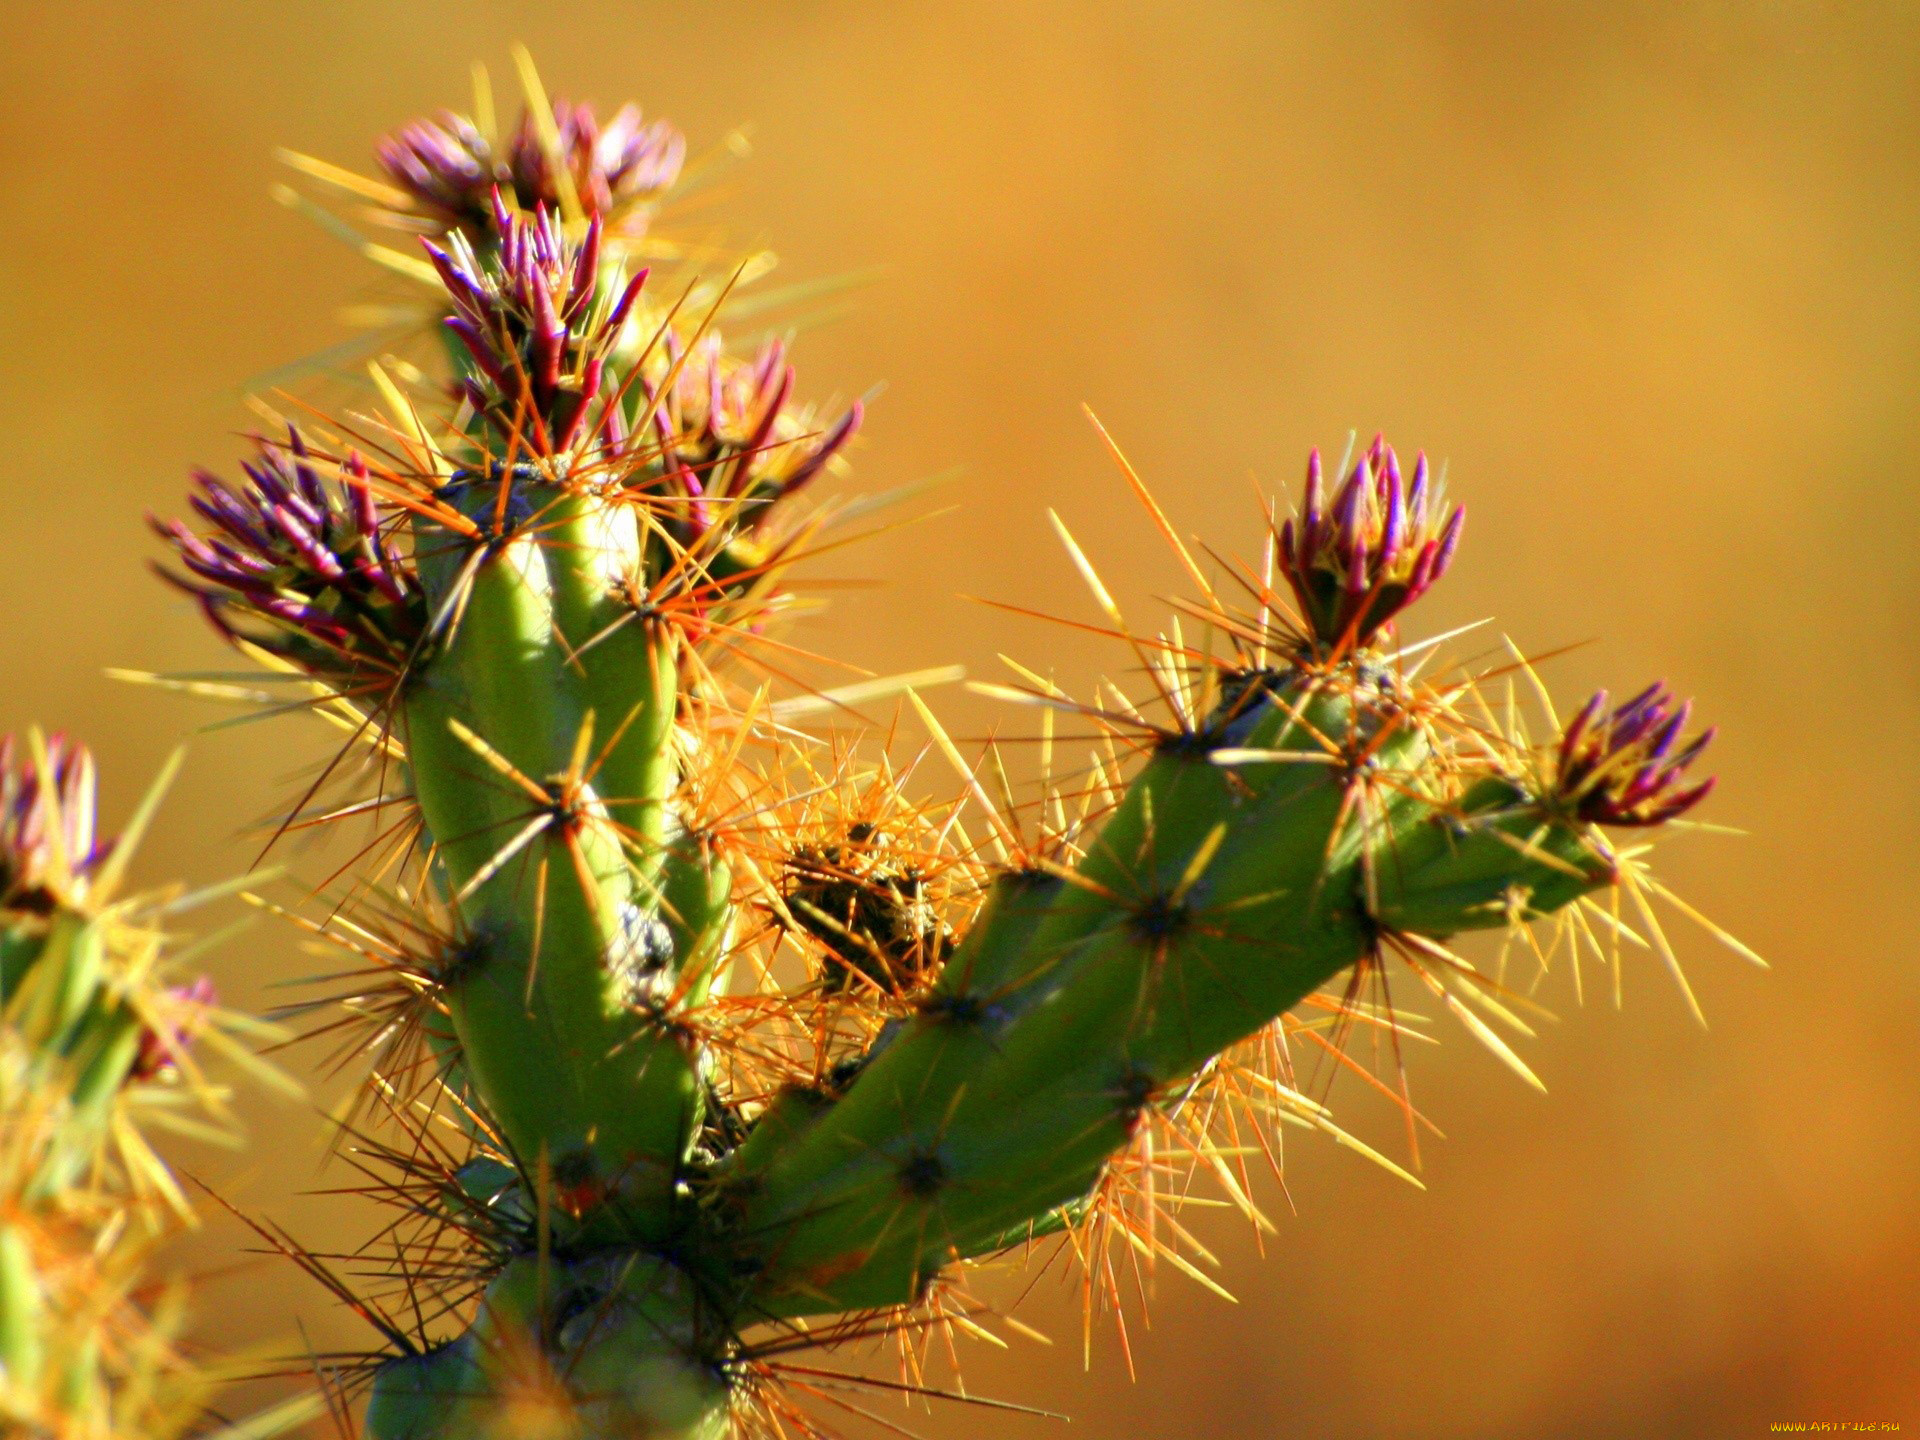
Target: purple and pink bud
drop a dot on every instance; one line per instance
(615, 172)
(615, 169)
(1383, 542)
(304, 553)
(727, 440)
(47, 818)
(533, 321)
(1626, 766)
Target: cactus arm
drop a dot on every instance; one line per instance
(1501, 857)
(558, 939)
(1223, 901)
(563, 697)
(923, 1061)
(625, 664)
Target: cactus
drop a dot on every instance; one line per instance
(706, 1041)
(97, 1040)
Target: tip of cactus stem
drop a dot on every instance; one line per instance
(448, 169)
(1381, 542)
(720, 452)
(1625, 766)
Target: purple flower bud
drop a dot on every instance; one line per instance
(1358, 577)
(477, 346)
(366, 515)
(771, 404)
(1394, 527)
(617, 316)
(1449, 542)
(1417, 490)
(824, 450)
(46, 814)
(1385, 543)
(586, 268)
(615, 171)
(1618, 767)
(1577, 727)
(1350, 503)
(527, 318)
(321, 560)
(298, 549)
(1311, 518)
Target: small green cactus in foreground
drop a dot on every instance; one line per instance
(705, 1039)
(98, 1034)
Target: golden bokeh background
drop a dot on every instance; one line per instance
(1645, 275)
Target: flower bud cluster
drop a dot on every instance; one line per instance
(303, 554)
(449, 169)
(728, 438)
(534, 322)
(46, 819)
(1624, 767)
(1381, 545)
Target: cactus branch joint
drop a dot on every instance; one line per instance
(706, 1026)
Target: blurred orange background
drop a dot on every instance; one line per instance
(1644, 275)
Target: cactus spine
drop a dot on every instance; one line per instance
(535, 580)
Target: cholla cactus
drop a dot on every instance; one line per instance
(96, 1050)
(739, 1037)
